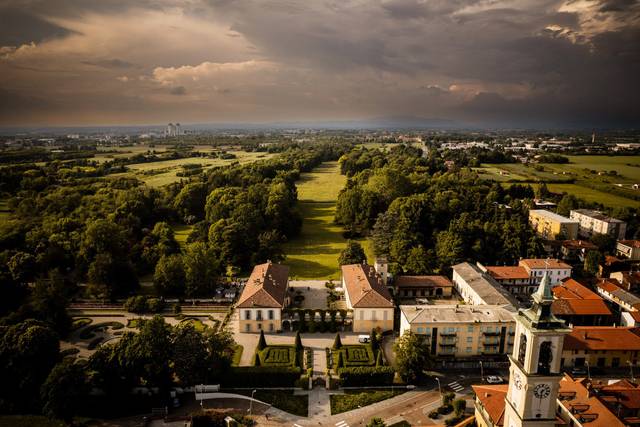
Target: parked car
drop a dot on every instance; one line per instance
(578, 370)
(364, 339)
(494, 379)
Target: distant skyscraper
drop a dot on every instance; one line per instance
(173, 130)
(593, 138)
(178, 129)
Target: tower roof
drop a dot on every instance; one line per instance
(544, 294)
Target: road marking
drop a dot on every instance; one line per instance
(297, 425)
(342, 424)
(455, 385)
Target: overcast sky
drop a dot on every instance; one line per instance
(512, 62)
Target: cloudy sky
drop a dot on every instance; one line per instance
(509, 62)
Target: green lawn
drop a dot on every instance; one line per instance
(181, 232)
(591, 195)
(314, 253)
(353, 399)
(282, 399)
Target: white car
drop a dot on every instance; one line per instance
(364, 339)
(494, 379)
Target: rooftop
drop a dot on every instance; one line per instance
(571, 289)
(507, 273)
(456, 313)
(630, 243)
(572, 298)
(492, 399)
(538, 263)
(576, 396)
(578, 244)
(266, 287)
(596, 215)
(422, 281)
(365, 287)
(608, 286)
(484, 285)
(552, 216)
(603, 338)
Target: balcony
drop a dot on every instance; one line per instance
(491, 342)
(448, 334)
(447, 344)
(491, 334)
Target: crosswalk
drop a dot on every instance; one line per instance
(342, 424)
(456, 386)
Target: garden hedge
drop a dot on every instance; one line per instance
(366, 376)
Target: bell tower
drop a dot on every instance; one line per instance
(534, 374)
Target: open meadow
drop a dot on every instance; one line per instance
(314, 253)
(602, 179)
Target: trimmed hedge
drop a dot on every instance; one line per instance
(261, 376)
(280, 355)
(89, 331)
(366, 376)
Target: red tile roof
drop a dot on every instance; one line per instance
(365, 287)
(580, 307)
(575, 396)
(630, 243)
(266, 287)
(542, 263)
(506, 273)
(492, 399)
(603, 338)
(571, 289)
(422, 282)
(578, 244)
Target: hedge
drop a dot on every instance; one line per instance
(261, 376)
(366, 376)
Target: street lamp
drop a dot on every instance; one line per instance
(439, 388)
(586, 362)
(251, 402)
(631, 369)
(481, 371)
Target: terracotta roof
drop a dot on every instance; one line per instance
(365, 287)
(578, 244)
(592, 307)
(622, 392)
(576, 397)
(603, 338)
(630, 243)
(635, 315)
(266, 287)
(422, 281)
(542, 263)
(505, 273)
(571, 289)
(609, 260)
(608, 286)
(492, 399)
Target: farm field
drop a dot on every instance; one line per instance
(157, 174)
(578, 174)
(314, 253)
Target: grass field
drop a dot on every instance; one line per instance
(314, 253)
(580, 174)
(181, 233)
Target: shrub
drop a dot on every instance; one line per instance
(142, 304)
(459, 406)
(434, 414)
(298, 343)
(379, 361)
(80, 323)
(454, 420)
(447, 398)
(337, 342)
(94, 343)
(261, 376)
(366, 376)
(256, 359)
(262, 342)
(445, 409)
(69, 352)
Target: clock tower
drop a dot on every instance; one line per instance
(534, 374)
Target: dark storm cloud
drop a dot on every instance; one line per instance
(497, 60)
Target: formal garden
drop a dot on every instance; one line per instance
(316, 320)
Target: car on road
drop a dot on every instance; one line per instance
(578, 370)
(494, 379)
(364, 339)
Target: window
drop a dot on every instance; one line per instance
(469, 339)
(470, 328)
(361, 314)
(270, 314)
(545, 357)
(259, 315)
(522, 350)
(259, 326)
(247, 315)
(271, 327)
(247, 327)
(420, 330)
(468, 349)
(373, 315)
(385, 315)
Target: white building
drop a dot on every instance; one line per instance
(479, 288)
(536, 267)
(592, 222)
(629, 249)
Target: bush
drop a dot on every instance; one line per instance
(366, 376)
(80, 323)
(445, 409)
(261, 376)
(142, 304)
(459, 406)
(352, 400)
(447, 398)
(454, 420)
(177, 308)
(434, 414)
(94, 343)
(89, 332)
(69, 352)
(337, 342)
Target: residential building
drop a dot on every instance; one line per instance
(627, 280)
(595, 222)
(461, 331)
(368, 297)
(576, 250)
(630, 318)
(478, 288)
(263, 298)
(628, 249)
(580, 402)
(554, 268)
(550, 225)
(535, 372)
(514, 279)
(579, 306)
(622, 300)
(601, 347)
(422, 286)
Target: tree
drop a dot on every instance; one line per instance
(604, 242)
(374, 340)
(337, 342)
(417, 261)
(459, 406)
(64, 390)
(352, 254)
(379, 361)
(169, 277)
(592, 262)
(376, 422)
(189, 355)
(150, 353)
(201, 269)
(262, 342)
(49, 303)
(111, 277)
(298, 341)
(412, 356)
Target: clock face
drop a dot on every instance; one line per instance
(542, 391)
(517, 381)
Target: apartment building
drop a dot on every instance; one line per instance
(477, 287)
(550, 225)
(536, 267)
(601, 347)
(595, 222)
(628, 249)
